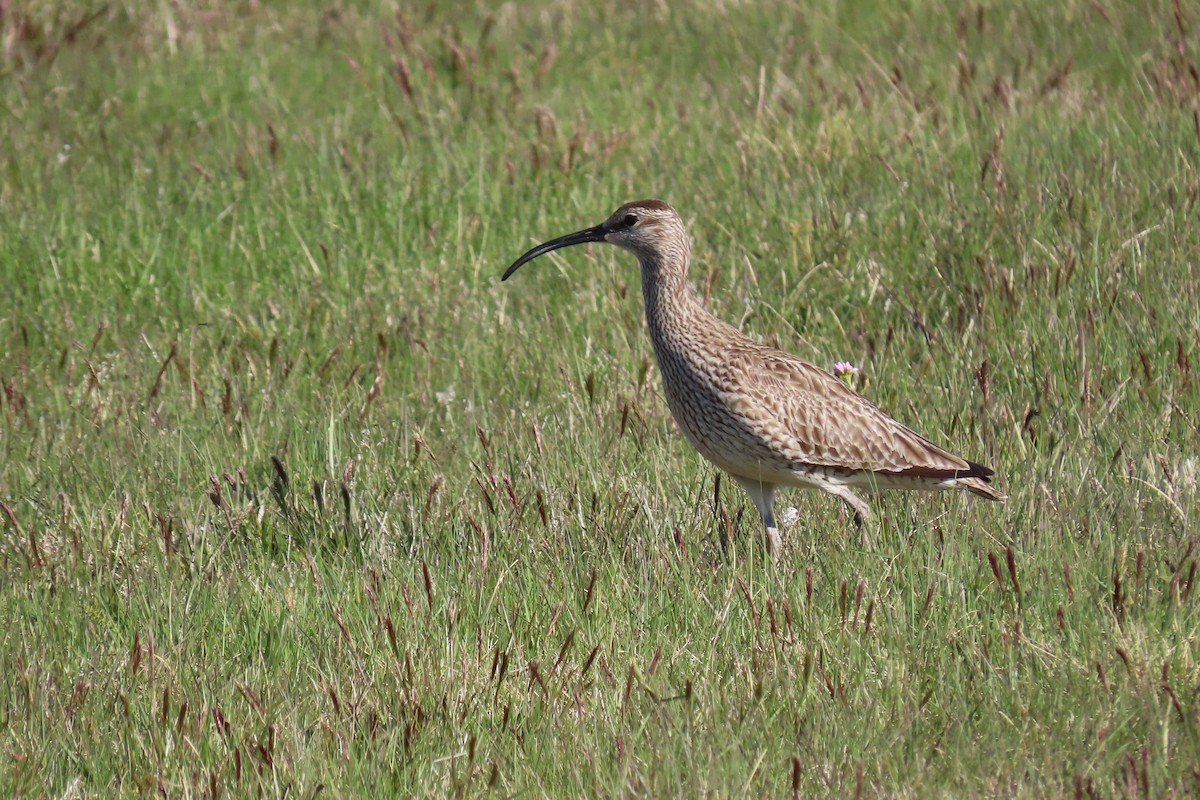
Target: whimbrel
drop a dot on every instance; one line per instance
(761, 415)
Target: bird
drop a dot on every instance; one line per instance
(763, 416)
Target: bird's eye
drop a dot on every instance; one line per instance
(630, 220)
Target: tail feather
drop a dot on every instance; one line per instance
(982, 488)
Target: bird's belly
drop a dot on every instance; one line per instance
(708, 418)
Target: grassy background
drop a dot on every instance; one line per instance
(299, 499)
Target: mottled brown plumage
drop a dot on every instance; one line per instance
(763, 416)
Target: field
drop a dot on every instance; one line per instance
(298, 499)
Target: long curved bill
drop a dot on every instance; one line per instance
(595, 234)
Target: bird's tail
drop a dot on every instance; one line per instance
(980, 487)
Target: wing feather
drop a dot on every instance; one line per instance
(823, 422)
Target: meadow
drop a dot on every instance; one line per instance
(297, 499)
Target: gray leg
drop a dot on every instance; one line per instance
(861, 509)
(763, 495)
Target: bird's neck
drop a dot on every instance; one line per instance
(670, 302)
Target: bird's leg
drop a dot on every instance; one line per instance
(763, 495)
(772, 539)
(857, 505)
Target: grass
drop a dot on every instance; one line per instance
(299, 500)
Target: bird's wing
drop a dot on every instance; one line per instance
(816, 416)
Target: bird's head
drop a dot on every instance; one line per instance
(650, 229)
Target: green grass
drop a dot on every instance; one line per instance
(486, 562)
